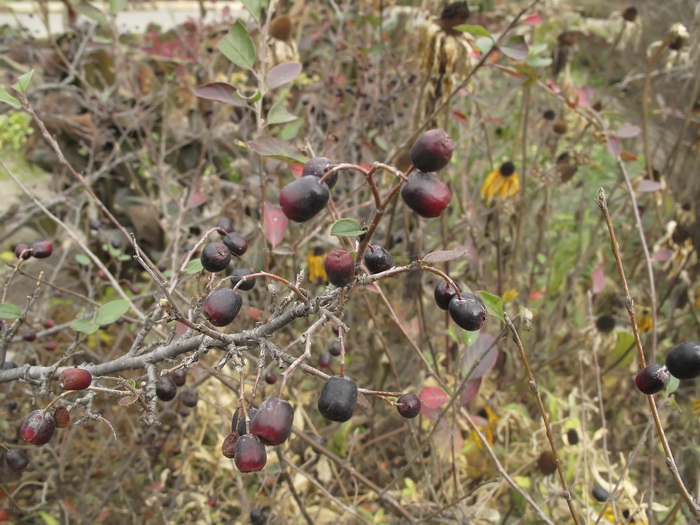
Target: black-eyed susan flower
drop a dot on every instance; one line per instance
(314, 262)
(502, 183)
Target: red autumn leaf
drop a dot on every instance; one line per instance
(433, 397)
(274, 223)
(598, 278)
(534, 20)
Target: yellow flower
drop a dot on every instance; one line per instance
(502, 183)
(314, 261)
(644, 320)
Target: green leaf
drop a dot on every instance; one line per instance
(624, 346)
(89, 10)
(117, 6)
(277, 149)
(9, 99)
(493, 303)
(278, 114)
(48, 519)
(111, 311)
(516, 48)
(484, 44)
(255, 8)
(672, 385)
(474, 30)
(84, 326)
(83, 259)
(347, 228)
(9, 311)
(194, 266)
(23, 82)
(238, 47)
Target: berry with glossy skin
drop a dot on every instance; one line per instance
(62, 417)
(23, 251)
(408, 405)
(38, 428)
(236, 243)
(324, 360)
(17, 459)
(377, 259)
(250, 454)
(42, 249)
(238, 420)
(468, 312)
(225, 224)
(338, 398)
(425, 195)
(443, 294)
(273, 421)
(432, 151)
(340, 267)
(304, 198)
(166, 389)
(334, 348)
(190, 397)
(652, 379)
(179, 377)
(270, 377)
(228, 447)
(683, 361)
(215, 257)
(238, 275)
(75, 379)
(318, 166)
(222, 306)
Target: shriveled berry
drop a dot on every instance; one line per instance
(338, 398)
(425, 195)
(38, 428)
(62, 417)
(377, 259)
(166, 390)
(228, 447)
(225, 224)
(340, 267)
(273, 421)
(250, 454)
(318, 166)
(42, 249)
(222, 306)
(652, 378)
(23, 251)
(683, 361)
(179, 377)
(238, 420)
(468, 312)
(432, 151)
(408, 405)
(239, 275)
(324, 360)
(215, 257)
(236, 243)
(600, 494)
(443, 294)
(75, 379)
(190, 397)
(304, 198)
(334, 348)
(16, 459)
(270, 377)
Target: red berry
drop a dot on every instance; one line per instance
(340, 267)
(215, 257)
(250, 454)
(222, 306)
(408, 405)
(42, 249)
(29, 336)
(304, 198)
(432, 151)
(270, 377)
(51, 346)
(38, 428)
(324, 360)
(652, 378)
(425, 195)
(75, 379)
(468, 312)
(49, 323)
(23, 251)
(273, 421)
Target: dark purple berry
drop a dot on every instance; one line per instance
(334, 348)
(23, 251)
(222, 306)
(600, 494)
(238, 420)
(51, 346)
(572, 436)
(425, 195)
(304, 198)
(683, 361)
(215, 257)
(377, 259)
(443, 294)
(258, 517)
(468, 312)
(652, 378)
(17, 459)
(238, 276)
(49, 323)
(338, 398)
(166, 389)
(29, 336)
(340, 267)
(605, 323)
(236, 243)
(273, 421)
(318, 166)
(432, 151)
(38, 428)
(324, 360)
(179, 377)
(250, 454)
(42, 249)
(190, 397)
(408, 405)
(225, 224)
(270, 377)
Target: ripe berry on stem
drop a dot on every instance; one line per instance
(318, 166)
(652, 379)
(250, 454)
(338, 398)
(304, 198)
(215, 257)
(469, 312)
(683, 361)
(222, 306)
(273, 421)
(443, 294)
(236, 243)
(340, 267)
(377, 259)
(432, 151)
(166, 390)
(38, 428)
(75, 379)
(425, 195)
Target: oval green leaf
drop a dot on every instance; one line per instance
(347, 228)
(238, 47)
(493, 303)
(111, 311)
(194, 266)
(9, 311)
(84, 326)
